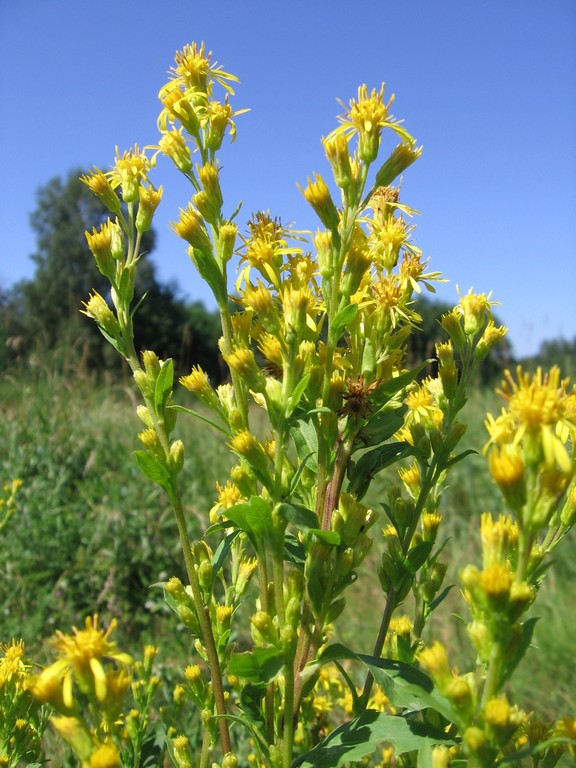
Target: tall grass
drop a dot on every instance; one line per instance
(91, 534)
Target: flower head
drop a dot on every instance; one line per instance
(80, 659)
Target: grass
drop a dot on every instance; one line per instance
(91, 534)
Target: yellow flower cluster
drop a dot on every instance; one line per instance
(529, 447)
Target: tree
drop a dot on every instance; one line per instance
(45, 312)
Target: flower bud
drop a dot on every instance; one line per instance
(318, 195)
(336, 148)
(401, 158)
(149, 201)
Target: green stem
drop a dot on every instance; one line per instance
(378, 645)
(205, 627)
(288, 726)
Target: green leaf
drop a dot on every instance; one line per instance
(254, 517)
(404, 685)
(306, 443)
(362, 472)
(209, 271)
(328, 537)
(259, 666)
(298, 515)
(164, 385)
(381, 427)
(418, 555)
(223, 550)
(154, 470)
(343, 318)
(389, 388)
(460, 456)
(360, 737)
(294, 551)
(296, 395)
(527, 632)
(441, 597)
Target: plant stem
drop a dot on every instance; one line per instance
(379, 644)
(205, 627)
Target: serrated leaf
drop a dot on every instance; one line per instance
(164, 385)
(260, 665)
(360, 737)
(154, 470)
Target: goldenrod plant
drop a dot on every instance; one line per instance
(319, 401)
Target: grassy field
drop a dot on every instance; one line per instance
(91, 534)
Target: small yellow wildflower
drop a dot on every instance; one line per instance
(105, 756)
(81, 655)
(435, 661)
(475, 309)
(507, 468)
(538, 406)
(495, 581)
(100, 185)
(129, 171)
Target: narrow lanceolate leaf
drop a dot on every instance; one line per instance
(296, 395)
(343, 317)
(360, 738)
(164, 385)
(210, 272)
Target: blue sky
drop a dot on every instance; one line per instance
(489, 89)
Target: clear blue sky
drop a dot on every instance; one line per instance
(489, 89)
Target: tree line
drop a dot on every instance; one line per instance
(42, 317)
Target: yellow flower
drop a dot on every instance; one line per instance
(129, 172)
(367, 115)
(173, 144)
(191, 227)
(81, 655)
(194, 70)
(149, 201)
(100, 185)
(475, 309)
(499, 538)
(540, 407)
(507, 469)
(317, 194)
(435, 661)
(105, 756)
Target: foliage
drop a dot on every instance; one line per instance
(335, 403)
(43, 313)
